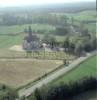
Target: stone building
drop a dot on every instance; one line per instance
(31, 42)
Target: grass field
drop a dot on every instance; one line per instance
(7, 41)
(86, 69)
(20, 28)
(15, 73)
(85, 15)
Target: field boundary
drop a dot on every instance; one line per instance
(27, 91)
(39, 78)
(80, 63)
(20, 58)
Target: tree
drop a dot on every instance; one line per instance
(53, 41)
(71, 47)
(66, 44)
(62, 30)
(79, 48)
(90, 45)
(64, 19)
(30, 31)
(11, 95)
(81, 26)
(50, 39)
(46, 38)
(72, 21)
(38, 94)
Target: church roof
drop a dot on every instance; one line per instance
(31, 38)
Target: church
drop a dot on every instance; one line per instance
(31, 41)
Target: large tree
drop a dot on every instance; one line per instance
(50, 39)
(30, 31)
(79, 48)
(66, 44)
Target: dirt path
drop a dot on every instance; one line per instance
(27, 91)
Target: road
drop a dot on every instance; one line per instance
(27, 91)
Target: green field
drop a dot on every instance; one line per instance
(86, 69)
(20, 28)
(13, 35)
(86, 15)
(8, 41)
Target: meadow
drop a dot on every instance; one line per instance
(15, 33)
(13, 29)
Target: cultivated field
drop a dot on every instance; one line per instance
(15, 73)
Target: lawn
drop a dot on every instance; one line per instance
(8, 41)
(87, 68)
(83, 15)
(16, 73)
(91, 27)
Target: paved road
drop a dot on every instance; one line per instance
(46, 80)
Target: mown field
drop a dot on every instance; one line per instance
(15, 73)
(86, 69)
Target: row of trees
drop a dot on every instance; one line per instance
(15, 19)
(80, 45)
(65, 91)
